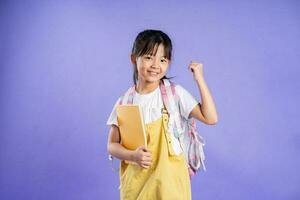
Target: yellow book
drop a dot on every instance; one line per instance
(131, 126)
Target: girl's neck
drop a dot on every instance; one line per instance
(146, 87)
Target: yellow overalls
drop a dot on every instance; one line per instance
(166, 179)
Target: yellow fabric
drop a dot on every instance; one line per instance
(168, 176)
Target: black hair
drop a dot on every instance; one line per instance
(145, 43)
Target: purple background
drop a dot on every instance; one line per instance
(65, 63)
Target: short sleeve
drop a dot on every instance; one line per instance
(112, 119)
(186, 100)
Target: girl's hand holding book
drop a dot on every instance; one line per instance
(142, 157)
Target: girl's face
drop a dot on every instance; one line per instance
(151, 68)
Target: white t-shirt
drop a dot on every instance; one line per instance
(152, 103)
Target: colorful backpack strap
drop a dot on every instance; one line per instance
(128, 96)
(169, 96)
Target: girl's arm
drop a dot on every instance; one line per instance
(141, 155)
(205, 112)
(114, 147)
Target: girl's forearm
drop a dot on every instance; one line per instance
(208, 107)
(117, 150)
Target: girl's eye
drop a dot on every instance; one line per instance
(164, 60)
(148, 57)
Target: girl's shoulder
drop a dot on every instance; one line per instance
(180, 89)
(184, 94)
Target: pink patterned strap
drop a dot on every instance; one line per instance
(171, 102)
(164, 95)
(128, 96)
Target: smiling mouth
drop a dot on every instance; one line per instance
(153, 73)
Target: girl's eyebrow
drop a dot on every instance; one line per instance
(150, 54)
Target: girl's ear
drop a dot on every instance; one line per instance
(133, 59)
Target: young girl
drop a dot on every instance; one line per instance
(157, 175)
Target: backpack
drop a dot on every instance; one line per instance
(184, 130)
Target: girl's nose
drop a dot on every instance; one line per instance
(155, 64)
